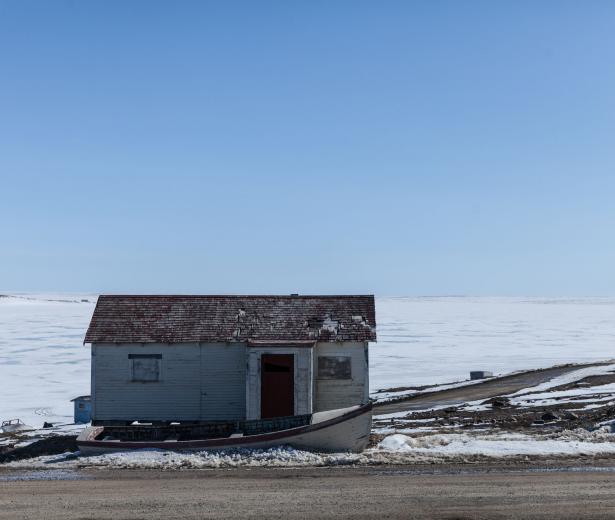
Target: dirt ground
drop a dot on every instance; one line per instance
(421, 492)
(445, 411)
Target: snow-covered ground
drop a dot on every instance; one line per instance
(394, 449)
(501, 444)
(583, 397)
(421, 341)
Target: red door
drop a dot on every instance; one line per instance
(277, 385)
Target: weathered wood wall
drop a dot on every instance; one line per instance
(330, 394)
(223, 381)
(198, 382)
(216, 381)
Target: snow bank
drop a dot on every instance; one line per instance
(446, 446)
(394, 449)
(158, 459)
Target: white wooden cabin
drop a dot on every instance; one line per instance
(219, 358)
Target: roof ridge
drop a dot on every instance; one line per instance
(236, 296)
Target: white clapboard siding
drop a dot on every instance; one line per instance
(175, 396)
(331, 394)
(207, 382)
(198, 382)
(223, 382)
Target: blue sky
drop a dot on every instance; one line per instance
(395, 148)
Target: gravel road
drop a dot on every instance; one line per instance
(485, 390)
(445, 492)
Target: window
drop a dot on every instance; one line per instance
(145, 368)
(334, 367)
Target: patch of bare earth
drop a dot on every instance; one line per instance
(500, 413)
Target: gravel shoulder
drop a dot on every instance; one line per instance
(420, 492)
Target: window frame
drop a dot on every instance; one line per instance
(331, 376)
(133, 379)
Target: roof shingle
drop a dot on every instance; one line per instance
(181, 319)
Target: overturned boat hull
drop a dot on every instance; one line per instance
(345, 429)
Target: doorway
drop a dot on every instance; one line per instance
(277, 385)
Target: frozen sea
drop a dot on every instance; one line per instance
(441, 339)
(421, 340)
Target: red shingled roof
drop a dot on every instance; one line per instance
(180, 319)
